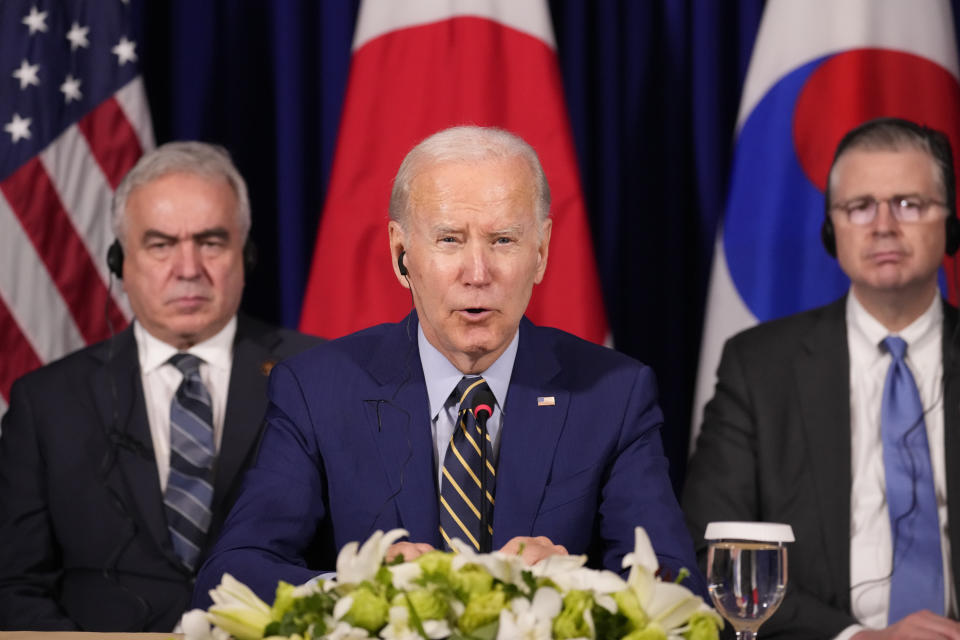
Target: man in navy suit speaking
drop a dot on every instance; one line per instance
(464, 420)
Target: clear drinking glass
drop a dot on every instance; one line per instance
(747, 571)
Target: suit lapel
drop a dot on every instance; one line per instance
(398, 421)
(118, 391)
(951, 431)
(529, 435)
(822, 370)
(246, 405)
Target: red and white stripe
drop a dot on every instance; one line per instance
(55, 290)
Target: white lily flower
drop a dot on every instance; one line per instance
(642, 555)
(220, 634)
(399, 628)
(356, 565)
(669, 605)
(237, 609)
(403, 575)
(502, 566)
(308, 588)
(343, 605)
(571, 576)
(344, 631)
(196, 626)
(233, 592)
(530, 620)
(437, 629)
(606, 601)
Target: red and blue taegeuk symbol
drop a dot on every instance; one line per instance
(775, 206)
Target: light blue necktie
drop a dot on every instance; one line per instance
(189, 491)
(917, 579)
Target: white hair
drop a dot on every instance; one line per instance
(467, 143)
(195, 158)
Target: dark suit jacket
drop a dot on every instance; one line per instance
(348, 450)
(775, 446)
(83, 535)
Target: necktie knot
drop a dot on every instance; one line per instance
(187, 363)
(466, 389)
(896, 346)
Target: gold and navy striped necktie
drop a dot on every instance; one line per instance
(462, 508)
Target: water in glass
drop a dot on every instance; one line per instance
(747, 581)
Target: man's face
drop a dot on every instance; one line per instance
(183, 265)
(474, 250)
(887, 256)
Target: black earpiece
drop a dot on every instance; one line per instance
(250, 254)
(115, 258)
(953, 234)
(401, 266)
(827, 236)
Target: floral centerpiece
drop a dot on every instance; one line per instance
(462, 595)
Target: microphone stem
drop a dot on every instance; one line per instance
(484, 525)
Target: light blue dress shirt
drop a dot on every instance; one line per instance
(441, 379)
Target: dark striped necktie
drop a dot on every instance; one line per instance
(189, 491)
(461, 502)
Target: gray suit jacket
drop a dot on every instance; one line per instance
(775, 446)
(84, 537)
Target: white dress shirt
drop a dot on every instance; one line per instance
(161, 379)
(871, 547)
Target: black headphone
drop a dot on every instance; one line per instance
(401, 266)
(115, 258)
(942, 154)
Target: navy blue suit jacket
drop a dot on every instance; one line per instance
(348, 450)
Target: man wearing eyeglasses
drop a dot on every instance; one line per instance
(841, 420)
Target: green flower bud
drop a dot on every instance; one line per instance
(435, 564)
(703, 626)
(629, 606)
(481, 610)
(571, 622)
(428, 605)
(369, 611)
(471, 581)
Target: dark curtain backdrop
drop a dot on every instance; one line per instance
(652, 89)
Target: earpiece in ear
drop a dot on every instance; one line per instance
(953, 234)
(828, 237)
(402, 267)
(115, 259)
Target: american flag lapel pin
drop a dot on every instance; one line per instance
(546, 401)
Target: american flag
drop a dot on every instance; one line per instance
(73, 120)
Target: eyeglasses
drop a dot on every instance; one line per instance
(863, 211)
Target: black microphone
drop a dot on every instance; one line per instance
(482, 408)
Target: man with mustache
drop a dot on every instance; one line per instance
(844, 421)
(118, 463)
(383, 428)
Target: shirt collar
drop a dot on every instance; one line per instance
(215, 351)
(442, 377)
(867, 328)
